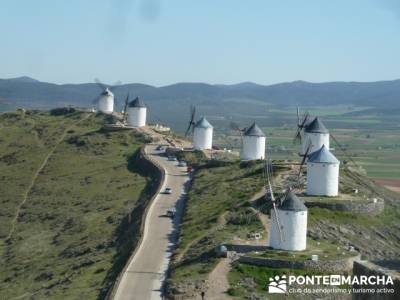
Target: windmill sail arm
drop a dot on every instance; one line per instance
(343, 149)
(278, 223)
(101, 85)
(273, 200)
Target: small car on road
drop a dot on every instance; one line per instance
(182, 164)
(171, 212)
(172, 158)
(168, 190)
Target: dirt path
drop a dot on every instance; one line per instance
(218, 281)
(266, 223)
(36, 174)
(218, 278)
(263, 219)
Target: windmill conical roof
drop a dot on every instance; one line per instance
(292, 202)
(203, 123)
(316, 126)
(323, 155)
(254, 130)
(107, 92)
(137, 102)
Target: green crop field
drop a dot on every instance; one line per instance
(66, 191)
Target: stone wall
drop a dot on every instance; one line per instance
(369, 207)
(381, 268)
(246, 248)
(132, 226)
(330, 266)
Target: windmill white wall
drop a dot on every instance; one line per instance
(106, 102)
(253, 146)
(322, 173)
(137, 116)
(292, 221)
(136, 113)
(322, 179)
(316, 140)
(316, 135)
(202, 135)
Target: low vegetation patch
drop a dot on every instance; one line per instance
(326, 251)
(248, 281)
(218, 211)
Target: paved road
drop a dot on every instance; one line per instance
(145, 274)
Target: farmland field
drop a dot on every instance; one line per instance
(373, 141)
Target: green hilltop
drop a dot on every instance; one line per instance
(66, 190)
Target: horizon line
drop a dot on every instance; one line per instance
(34, 80)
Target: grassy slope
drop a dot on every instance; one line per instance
(64, 244)
(246, 280)
(376, 237)
(217, 211)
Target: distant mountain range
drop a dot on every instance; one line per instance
(172, 100)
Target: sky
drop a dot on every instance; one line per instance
(160, 42)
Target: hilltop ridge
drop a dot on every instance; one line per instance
(28, 92)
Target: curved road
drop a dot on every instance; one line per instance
(144, 276)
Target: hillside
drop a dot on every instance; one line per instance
(168, 102)
(222, 209)
(66, 191)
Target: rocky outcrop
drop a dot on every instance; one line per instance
(371, 241)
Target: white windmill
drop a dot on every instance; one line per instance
(322, 173)
(288, 226)
(136, 112)
(105, 101)
(312, 134)
(292, 215)
(202, 135)
(201, 130)
(322, 165)
(315, 135)
(252, 141)
(253, 145)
